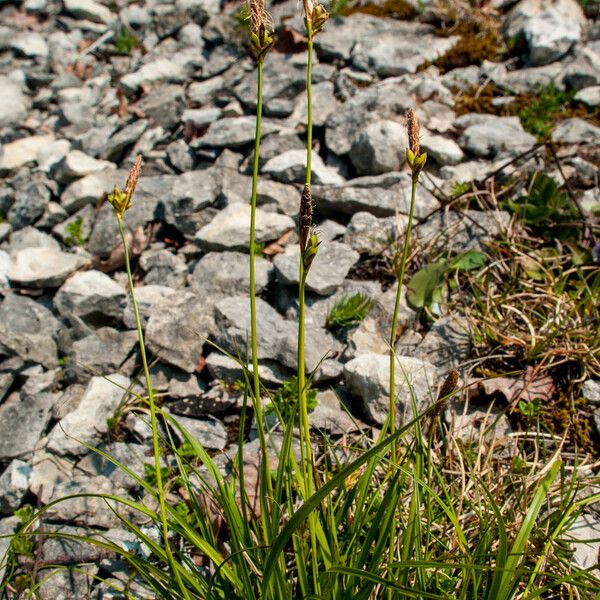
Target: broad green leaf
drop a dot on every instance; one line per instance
(422, 287)
(467, 261)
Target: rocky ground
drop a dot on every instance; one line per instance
(86, 86)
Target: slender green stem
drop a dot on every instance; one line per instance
(392, 408)
(153, 422)
(306, 448)
(265, 480)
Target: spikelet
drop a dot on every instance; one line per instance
(415, 159)
(261, 28)
(315, 16)
(121, 200)
(309, 241)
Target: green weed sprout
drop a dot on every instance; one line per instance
(349, 311)
(74, 231)
(125, 41)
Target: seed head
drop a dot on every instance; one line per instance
(315, 16)
(416, 160)
(261, 27)
(121, 200)
(413, 132)
(306, 212)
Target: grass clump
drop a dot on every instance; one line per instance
(74, 233)
(349, 311)
(125, 42)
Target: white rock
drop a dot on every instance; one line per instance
(88, 422)
(589, 96)
(51, 154)
(229, 230)
(89, 10)
(585, 533)
(14, 484)
(158, 71)
(43, 267)
(78, 164)
(441, 149)
(20, 152)
(30, 44)
(6, 264)
(576, 131)
(289, 167)
(368, 377)
(13, 102)
(87, 190)
(549, 36)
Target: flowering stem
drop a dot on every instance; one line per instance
(153, 422)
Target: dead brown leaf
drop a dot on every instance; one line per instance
(528, 386)
(278, 246)
(137, 242)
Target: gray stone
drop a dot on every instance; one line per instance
(584, 70)
(368, 234)
(22, 422)
(472, 424)
(124, 139)
(330, 416)
(78, 164)
(91, 296)
(368, 378)
(27, 329)
(322, 278)
(86, 509)
(441, 149)
(104, 351)
(30, 202)
(8, 526)
(6, 264)
(180, 155)
(210, 432)
(229, 370)
(550, 36)
(276, 337)
(146, 296)
(72, 230)
(230, 229)
(496, 135)
(448, 343)
(68, 583)
(14, 485)
(380, 147)
(323, 96)
(575, 131)
(524, 11)
(161, 70)
(88, 422)
(22, 151)
(384, 100)
(130, 456)
(30, 44)
(377, 196)
(164, 105)
(29, 237)
(43, 267)
(591, 391)
(178, 327)
(204, 92)
(14, 107)
(42, 381)
(290, 167)
(163, 267)
(89, 10)
(455, 233)
(583, 537)
(227, 273)
(231, 133)
(201, 117)
(400, 48)
(589, 96)
(6, 381)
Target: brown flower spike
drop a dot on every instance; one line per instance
(261, 28)
(416, 160)
(121, 200)
(309, 241)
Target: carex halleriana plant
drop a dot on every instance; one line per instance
(121, 200)
(261, 37)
